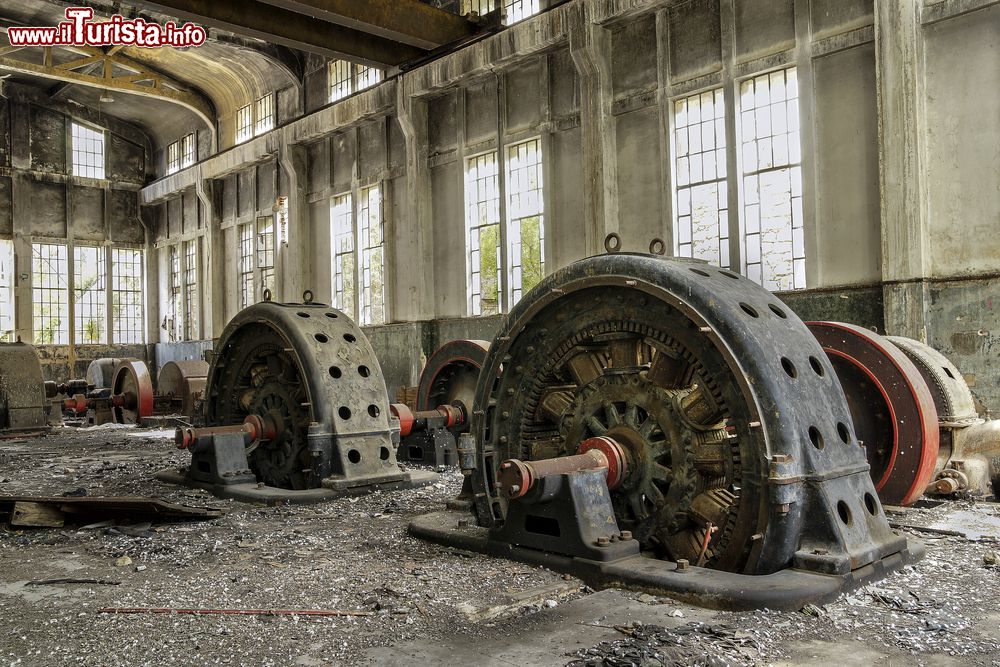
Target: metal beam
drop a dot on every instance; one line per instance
(297, 31)
(409, 21)
(155, 86)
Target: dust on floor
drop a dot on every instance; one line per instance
(423, 604)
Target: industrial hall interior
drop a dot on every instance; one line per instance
(571, 333)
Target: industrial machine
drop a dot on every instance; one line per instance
(914, 415)
(448, 381)
(23, 406)
(670, 426)
(128, 397)
(297, 411)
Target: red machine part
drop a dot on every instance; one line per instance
(254, 428)
(132, 380)
(515, 477)
(451, 414)
(451, 374)
(891, 406)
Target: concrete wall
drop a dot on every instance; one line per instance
(40, 200)
(900, 121)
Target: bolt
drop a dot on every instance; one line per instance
(820, 552)
(260, 485)
(505, 415)
(515, 488)
(682, 565)
(510, 391)
(503, 440)
(603, 541)
(505, 465)
(463, 523)
(626, 534)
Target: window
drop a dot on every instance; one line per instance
(90, 295)
(347, 78)
(483, 240)
(246, 265)
(127, 322)
(180, 154)
(344, 260)
(773, 242)
(525, 223)
(370, 236)
(480, 7)
(50, 293)
(7, 291)
(265, 254)
(176, 326)
(264, 108)
(191, 306)
(88, 151)
(518, 10)
(340, 72)
(701, 195)
(244, 123)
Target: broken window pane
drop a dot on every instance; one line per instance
(701, 222)
(90, 295)
(773, 245)
(50, 293)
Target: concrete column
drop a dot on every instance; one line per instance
(293, 261)
(412, 275)
(900, 78)
(213, 261)
(590, 47)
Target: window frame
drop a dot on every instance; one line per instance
(75, 167)
(8, 293)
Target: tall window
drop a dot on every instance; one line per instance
(6, 291)
(126, 296)
(773, 243)
(50, 293)
(244, 123)
(88, 151)
(246, 265)
(701, 208)
(90, 295)
(265, 253)
(344, 264)
(482, 218)
(370, 236)
(180, 154)
(192, 330)
(264, 112)
(176, 327)
(525, 223)
(347, 78)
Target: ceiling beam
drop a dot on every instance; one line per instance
(409, 21)
(291, 29)
(157, 86)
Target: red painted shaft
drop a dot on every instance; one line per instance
(410, 421)
(515, 477)
(253, 428)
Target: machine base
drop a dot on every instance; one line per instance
(270, 495)
(787, 590)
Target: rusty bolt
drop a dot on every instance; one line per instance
(682, 565)
(603, 541)
(626, 534)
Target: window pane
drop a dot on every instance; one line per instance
(370, 233)
(482, 199)
(192, 306)
(244, 123)
(265, 114)
(265, 254)
(175, 318)
(526, 224)
(344, 258)
(88, 151)
(774, 253)
(701, 227)
(90, 295)
(127, 319)
(246, 265)
(50, 293)
(518, 10)
(339, 72)
(7, 291)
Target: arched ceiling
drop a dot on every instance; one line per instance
(229, 71)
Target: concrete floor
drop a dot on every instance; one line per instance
(425, 604)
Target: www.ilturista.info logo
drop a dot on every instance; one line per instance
(80, 30)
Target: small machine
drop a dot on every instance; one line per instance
(24, 409)
(445, 393)
(296, 411)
